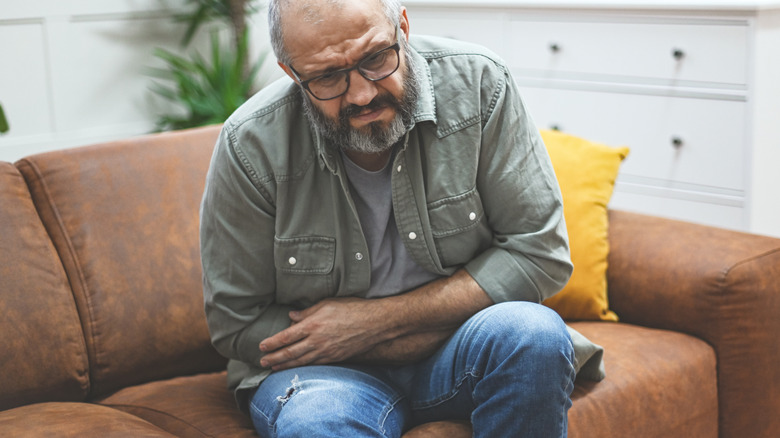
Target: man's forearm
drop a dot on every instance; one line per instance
(452, 301)
(444, 304)
(404, 350)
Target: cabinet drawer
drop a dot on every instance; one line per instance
(484, 28)
(710, 150)
(657, 52)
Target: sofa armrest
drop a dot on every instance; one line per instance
(718, 285)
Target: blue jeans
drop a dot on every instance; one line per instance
(508, 369)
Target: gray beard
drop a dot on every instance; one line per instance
(377, 136)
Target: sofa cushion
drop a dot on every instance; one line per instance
(586, 173)
(193, 406)
(124, 219)
(43, 355)
(76, 420)
(659, 384)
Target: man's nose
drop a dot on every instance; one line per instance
(361, 91)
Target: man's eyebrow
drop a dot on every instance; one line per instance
(366, 53)
(325, 71)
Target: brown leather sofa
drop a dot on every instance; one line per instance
(103, 333)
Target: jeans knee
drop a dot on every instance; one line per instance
(531, 327)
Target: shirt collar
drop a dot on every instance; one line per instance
(426, 103)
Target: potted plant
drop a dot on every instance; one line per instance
(209, 89)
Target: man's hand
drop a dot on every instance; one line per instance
(332, 330)
(395, 329)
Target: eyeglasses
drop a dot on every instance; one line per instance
(374, 67)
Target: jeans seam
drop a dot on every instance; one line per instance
(568, 390)
(427, 404)
(456, 390)
(387, 411)
(269, 426)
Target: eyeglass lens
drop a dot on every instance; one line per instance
(376, 67)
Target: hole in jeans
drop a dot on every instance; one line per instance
(295, 383)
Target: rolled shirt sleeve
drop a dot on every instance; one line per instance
(529, 258)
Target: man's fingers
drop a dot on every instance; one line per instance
(306, 359)
(300, 315)
(285, 337)
(295, 355)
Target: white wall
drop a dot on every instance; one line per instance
(73, 72)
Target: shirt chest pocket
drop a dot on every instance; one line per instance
(304, 268)
(459, 228)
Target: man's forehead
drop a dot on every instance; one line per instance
(316, 33)
(313, 11)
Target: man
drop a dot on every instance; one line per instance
(377, 232)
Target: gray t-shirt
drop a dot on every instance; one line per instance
(392, 269)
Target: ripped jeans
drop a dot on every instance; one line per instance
(508, 369)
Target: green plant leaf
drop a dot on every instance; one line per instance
(197, 19)
(3, 121)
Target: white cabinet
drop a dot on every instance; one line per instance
(689, 86)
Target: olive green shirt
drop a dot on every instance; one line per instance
(472, 188)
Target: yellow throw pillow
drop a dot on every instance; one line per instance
(586, 173)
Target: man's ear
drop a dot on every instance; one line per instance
(404, 23)
(288, 71)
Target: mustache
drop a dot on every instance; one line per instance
(381, 101)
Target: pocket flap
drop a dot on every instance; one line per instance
(455, 214)
(305, 255)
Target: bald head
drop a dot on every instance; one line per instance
(314, 15)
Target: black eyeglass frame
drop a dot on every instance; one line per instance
(395, 47)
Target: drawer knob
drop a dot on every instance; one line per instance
(677, 142)
(678, 54)
(555, 47)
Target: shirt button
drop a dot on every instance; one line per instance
(358, 256)
(292, 260)
(398, 169)
(472, 216)
(412, 235)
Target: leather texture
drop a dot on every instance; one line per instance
(75, 420)
(43, 354)
(441, 429)
(659, 384)
(124, 219)
(720, 286)
(191, 407)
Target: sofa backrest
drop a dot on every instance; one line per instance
(123, 217)
(43, 355)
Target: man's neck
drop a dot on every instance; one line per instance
(371, 162)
